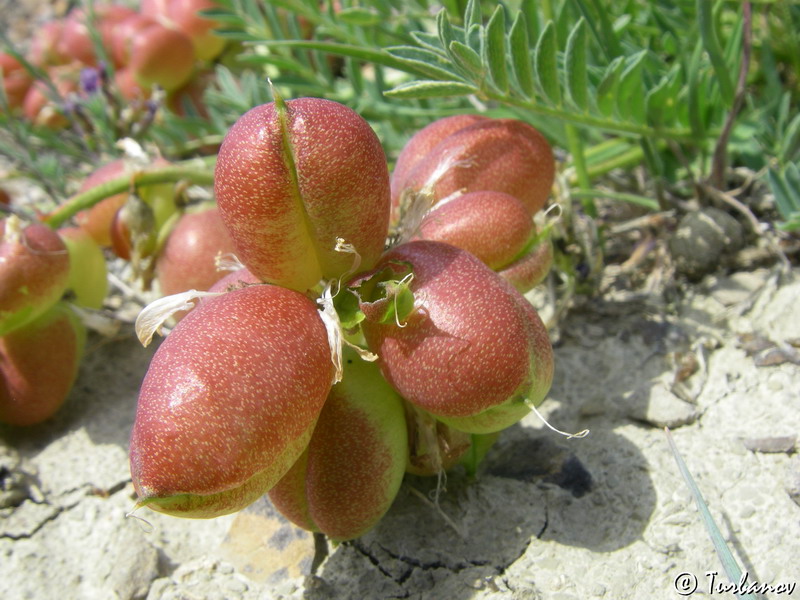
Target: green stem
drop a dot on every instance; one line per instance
(199, 172)
(712, 47)
(632, 198)
(629, 158)
(579, 161)
(585, 120)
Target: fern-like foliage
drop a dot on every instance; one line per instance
(585, 66)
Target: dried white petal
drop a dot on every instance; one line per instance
(153, 316)
(133, 149)
(334, 328)
(227, 261)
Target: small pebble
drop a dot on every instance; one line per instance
(771, 445)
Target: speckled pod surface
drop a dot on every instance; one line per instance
(472, 345)
(293, 177)
(351, 472)
(502, 155)
(229, 401)
(34, 270)
(38, 365)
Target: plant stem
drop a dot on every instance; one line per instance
(632, 198)
(719, 160)
(582, 119)
(579, 160)
(199, 172)
(629, 158)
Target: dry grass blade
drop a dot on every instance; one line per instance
(720, 545)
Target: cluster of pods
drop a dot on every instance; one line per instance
(165, 43)
(377, 327)
(46, 275)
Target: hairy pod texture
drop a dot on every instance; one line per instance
(38, 365)
(291, 178)
(473, 352)
(530, 269)
(502, 155)
(352, 469)
(422, 142)
(34, 269)
(494, 226)
(187, 260)
(229, 402)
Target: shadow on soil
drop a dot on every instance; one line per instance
(534, 487)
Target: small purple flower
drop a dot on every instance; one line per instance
(91, 80)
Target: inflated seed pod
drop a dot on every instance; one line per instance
(470, 350)
(502, 155)
(229, 401)
(291, 178)
(352, 469)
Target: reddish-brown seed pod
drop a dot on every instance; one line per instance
(161, 56)
(187, 260)
(97, 220)
(293, 177)
(128, 87)
(229, 402)
(45, 50)
(354, 464)
(75, 38)
(184, 15)
(16, 80)
(121, 48)
(39, 108)
(38, 365)
(34, 270)
(502, 155)
(494, 226)
(471, 345)
(529, 270)
(422, 142)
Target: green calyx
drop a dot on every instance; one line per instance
(384, 296)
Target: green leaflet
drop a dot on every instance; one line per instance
(430, 89)
(425, 61)
(472, 14)
(606, 90)
(359, 15)
(786, 189)
(790, 141)
(495, 49)
(630, 91)
(708, 35)
(428, 40)
(660, 100)
(467, 59)
(521, 56)
(446, 34)
(545, 59)
(577, 75)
